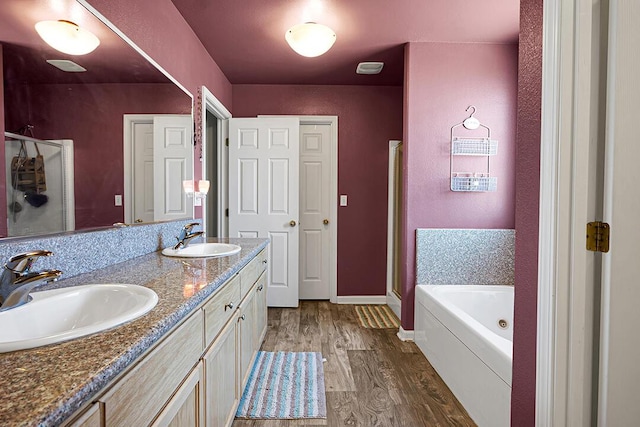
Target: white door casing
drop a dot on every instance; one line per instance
(211, 104)
(263, 196)
(619, 384)
(315, 185)
(392, 199)
(571, 169)
(172, 164)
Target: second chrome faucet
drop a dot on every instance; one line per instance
(186, 235)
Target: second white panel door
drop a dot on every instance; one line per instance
(315, 182)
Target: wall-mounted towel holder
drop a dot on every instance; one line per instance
(472, 146)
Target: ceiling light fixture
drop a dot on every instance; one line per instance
(310, 39)
(67, 37)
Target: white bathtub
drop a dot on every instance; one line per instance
(461, 330)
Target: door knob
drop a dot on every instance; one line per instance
(325, 222)
(292, 223)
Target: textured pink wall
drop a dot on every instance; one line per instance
(527, 206)
(91, 115)
(368, 117)
(3, 188)
(441, 81)
(157, 27)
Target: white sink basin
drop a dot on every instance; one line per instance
(62, 314)
(202, 250)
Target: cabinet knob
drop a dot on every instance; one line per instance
(241, 317)
(325, 222)
(228, 306)
(260, 288)
(292, 223)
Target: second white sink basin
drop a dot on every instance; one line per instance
(62, 314)
(203, 250)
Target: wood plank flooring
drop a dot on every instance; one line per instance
(372, 378)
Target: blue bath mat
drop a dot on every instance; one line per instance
(284, 385)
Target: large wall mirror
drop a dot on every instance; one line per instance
(107, 136)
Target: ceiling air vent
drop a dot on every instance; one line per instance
(66, 65)
(369, 67)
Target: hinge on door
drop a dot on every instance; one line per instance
(598, 236)
(226, 212)
(226, 141)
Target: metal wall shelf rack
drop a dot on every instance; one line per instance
(472, 146)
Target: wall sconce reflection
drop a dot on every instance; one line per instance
(196, 189)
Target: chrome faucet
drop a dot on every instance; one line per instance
(186, 235)
(17, 279)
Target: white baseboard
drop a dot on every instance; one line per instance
(405, 335)
(362, 299)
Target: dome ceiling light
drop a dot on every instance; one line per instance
(310, 39)
(67, 37)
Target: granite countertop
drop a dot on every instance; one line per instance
(46, 385)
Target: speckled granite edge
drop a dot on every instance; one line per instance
(465, 257)
(68, 407)
(80, 252)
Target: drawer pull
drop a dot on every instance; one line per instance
(229, 306)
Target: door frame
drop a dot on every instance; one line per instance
(392, 300)
(333, 195)
(211, 104)
(564, 363)
(129, 120)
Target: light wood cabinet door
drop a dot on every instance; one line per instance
(221, 373)
(186, 407)
(246, 326)
(260, 327)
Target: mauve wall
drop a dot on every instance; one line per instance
(441, 81)
(523, 396)
(368, 117)
(157, 27)
(3, 188)
(91, 115)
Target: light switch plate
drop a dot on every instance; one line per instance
(118, 200)
(343, 200)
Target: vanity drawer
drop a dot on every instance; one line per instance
(252, 271)
(220, 309)
(139, 396)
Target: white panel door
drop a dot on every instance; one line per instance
(172, 164)
(315, 182)
(263, 196)
(142, 141)
(620, 321)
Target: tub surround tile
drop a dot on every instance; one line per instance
(44, 386)
(465, 257)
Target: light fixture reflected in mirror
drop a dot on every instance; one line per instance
(198, 193)
(67, 37)
(310, 39)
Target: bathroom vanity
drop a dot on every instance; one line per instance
(184, 363)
